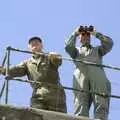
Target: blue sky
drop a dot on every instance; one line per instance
(54, 21)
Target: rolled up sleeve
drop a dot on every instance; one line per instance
(70, 46)
(106, 44)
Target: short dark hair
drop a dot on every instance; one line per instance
(35, 38)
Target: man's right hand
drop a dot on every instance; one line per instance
(76, 31)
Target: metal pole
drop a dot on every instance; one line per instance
(7, 71)
(3, 63)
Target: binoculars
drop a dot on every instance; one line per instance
(86, 29)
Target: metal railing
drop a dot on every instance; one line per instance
(7, 61)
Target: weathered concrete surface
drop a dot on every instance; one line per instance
(8, 112)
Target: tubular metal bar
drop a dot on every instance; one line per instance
(67, 88)
(25, 51)
(3, 63)
(7, 71)
(69, 59)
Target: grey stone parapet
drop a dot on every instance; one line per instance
(8, 112)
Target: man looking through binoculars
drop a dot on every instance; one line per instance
(90, 79)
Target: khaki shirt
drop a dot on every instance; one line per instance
(39, 69)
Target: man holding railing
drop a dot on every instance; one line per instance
(43, 68)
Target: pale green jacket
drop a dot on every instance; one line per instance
(87, 77)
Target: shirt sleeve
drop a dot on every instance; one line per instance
(70, 46)
(18, 70)
(106, 44)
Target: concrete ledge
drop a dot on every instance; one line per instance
(8, 112)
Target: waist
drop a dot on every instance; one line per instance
(38, 84)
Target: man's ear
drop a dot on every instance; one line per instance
(41, 46)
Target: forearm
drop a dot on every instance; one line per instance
(106, 43)
(103, 38)
(15, 71)
(70, 45)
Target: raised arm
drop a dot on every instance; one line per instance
(106, 43)
(70, 45)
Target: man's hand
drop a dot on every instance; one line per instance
(93, 33)
(76, 31)
(53, 56)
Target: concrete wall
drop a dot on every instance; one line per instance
(8, 112)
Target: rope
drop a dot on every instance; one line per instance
(68, 59)
(67, 88)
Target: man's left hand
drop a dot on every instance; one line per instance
(53, 56)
